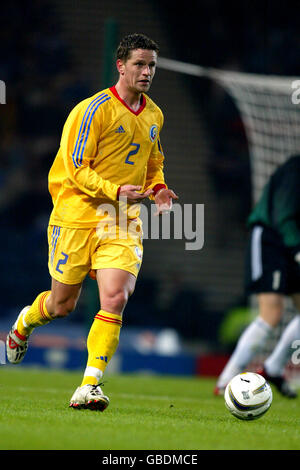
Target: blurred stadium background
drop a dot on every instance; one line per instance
(189, 306)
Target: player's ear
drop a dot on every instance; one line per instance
(120, 66)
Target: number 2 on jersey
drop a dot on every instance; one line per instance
(132, 152)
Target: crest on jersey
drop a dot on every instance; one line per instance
(153, 132)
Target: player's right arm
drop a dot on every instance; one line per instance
(132, 193)
(79, 147)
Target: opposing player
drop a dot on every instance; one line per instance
(110, 159)
(273, 272)
(274, 366)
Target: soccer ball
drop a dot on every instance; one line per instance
(248, 396)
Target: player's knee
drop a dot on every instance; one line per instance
(271, 308)
(272, 317)
(63, 309)
(272, 314)
(115, 302)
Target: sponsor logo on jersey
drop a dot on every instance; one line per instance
(120, 130)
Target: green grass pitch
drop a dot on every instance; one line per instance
(145, 413)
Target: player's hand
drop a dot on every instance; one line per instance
(163, 201)
(131, 193)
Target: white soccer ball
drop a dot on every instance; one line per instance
(248, 396)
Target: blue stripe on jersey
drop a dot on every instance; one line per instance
(82, 123)
(89, 125)
(159, 146)
(96, 106)
(88, 115)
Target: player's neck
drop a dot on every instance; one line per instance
(132, 99)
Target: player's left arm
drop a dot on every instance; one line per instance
(79, 146)
(155, 180)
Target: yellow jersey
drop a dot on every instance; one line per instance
(104, 145)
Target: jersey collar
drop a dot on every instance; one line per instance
(142, 106)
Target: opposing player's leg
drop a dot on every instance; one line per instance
(265, 276)
(48, 305)
(115, 287)
(274, 366)
(253, 338)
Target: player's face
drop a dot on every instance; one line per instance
(139, 69)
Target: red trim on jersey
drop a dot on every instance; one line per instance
(142, 106)
(118, 192)
(158, 187)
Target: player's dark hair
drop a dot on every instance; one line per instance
(135, 41)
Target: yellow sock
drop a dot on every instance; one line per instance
(37, 315)
(102, 342)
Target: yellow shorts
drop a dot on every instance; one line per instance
(74, 252)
